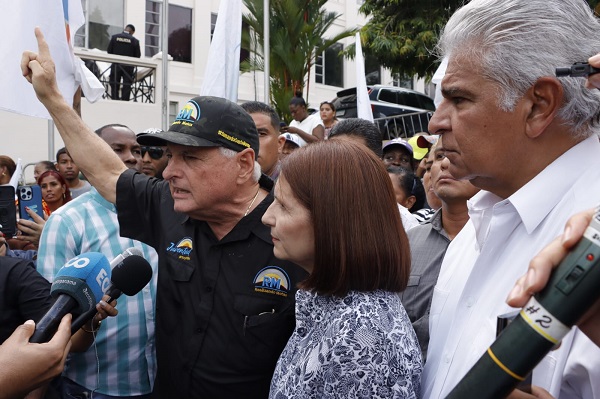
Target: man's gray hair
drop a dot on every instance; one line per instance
(256, 172)
(519, 41)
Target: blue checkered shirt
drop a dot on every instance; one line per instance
(126, 364)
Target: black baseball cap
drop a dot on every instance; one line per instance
(208, 122)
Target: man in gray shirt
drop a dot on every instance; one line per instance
(428, 242)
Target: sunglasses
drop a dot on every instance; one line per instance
(154, 152)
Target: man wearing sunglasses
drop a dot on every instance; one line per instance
(154, 158)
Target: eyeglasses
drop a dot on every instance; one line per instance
(154, 152)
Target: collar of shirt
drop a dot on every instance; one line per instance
(436, 222)
(553, 181)
(100, 199)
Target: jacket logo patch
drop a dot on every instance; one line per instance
(183, 248)
(272, 280)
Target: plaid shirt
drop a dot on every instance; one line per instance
(126, 364)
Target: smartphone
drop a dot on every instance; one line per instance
(8, 211)
(30, 197)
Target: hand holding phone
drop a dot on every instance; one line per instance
(30, 197)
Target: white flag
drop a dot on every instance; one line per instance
(363, 103)
(58, 20)
(437, 81)
(223, 64)
(14, 180)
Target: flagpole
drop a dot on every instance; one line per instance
(50, 139)
(267, 50)
(164, 45)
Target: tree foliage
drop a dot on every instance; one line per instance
(298, 32)
(402, 34)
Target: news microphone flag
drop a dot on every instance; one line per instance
(363, 103)
(222, 71)
(77, 287)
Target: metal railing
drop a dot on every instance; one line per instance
(404, 126)
(142, 74)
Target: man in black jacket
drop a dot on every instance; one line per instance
(123, 44)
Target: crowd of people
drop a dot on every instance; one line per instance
(313, 260)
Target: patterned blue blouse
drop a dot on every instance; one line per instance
(359, 346)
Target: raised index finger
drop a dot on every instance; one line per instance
(43, 48)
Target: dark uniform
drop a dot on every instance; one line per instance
(225, 309)
(122, 44)
(24, 294)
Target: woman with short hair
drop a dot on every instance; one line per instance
(353, 337)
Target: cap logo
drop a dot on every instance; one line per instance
(233, 139)
(189, 114)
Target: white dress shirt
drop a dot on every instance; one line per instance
(486, 258)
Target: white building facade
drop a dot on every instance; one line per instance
(190, 26)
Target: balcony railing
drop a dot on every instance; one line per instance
(143, 73)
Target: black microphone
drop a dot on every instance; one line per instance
(77, 287)
(541, 324)
(129, 276)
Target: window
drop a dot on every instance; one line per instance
(329, 66)
(153, 33)
(213, 25)
(372, 70)
(173, 111)
(403, 80)
(180, 33)
(389, 96)
(103, 19)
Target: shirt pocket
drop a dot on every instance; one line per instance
(409, 299)
(180, 271)
(266, 326)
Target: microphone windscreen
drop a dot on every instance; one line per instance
(85, 278)
(131, 275)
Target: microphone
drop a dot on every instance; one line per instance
(541, 324)
(77, 287)
(128, 252)
(117, 264)
(129, 276)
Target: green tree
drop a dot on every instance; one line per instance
(402, 34)
(297, 30)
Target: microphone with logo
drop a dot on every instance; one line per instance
(541, 324)
(130, 273)
(77, 287)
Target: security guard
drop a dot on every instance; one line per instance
(123, 44)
